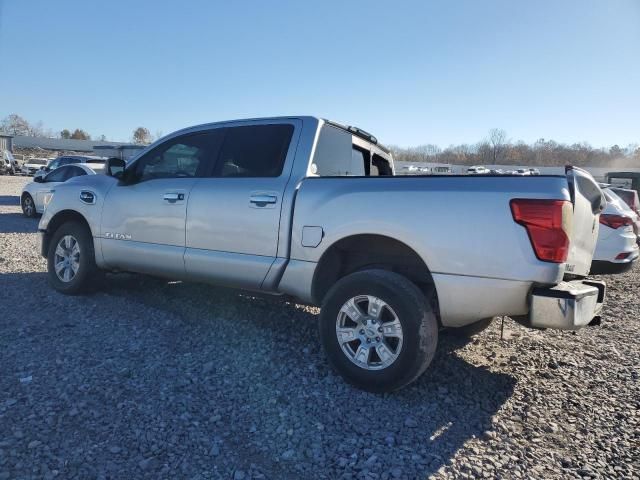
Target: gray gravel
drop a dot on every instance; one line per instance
(154, 379)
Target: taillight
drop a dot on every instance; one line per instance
(548, 223)
(615, 221)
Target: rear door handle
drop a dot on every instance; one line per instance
(263, 200)
(173, 197)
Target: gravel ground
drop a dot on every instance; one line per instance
(156, 379)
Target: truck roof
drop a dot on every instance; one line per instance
(348, 128)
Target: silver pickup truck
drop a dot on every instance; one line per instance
(311, 209)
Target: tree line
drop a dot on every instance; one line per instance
(496, 149)
(14, 124)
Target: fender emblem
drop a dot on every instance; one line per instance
(117, 236)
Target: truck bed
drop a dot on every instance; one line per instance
(461, 226)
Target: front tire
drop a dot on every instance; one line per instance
(71, 260)
(379, 331)
(28, 206)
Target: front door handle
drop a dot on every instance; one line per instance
(263, 200)
(173, 197)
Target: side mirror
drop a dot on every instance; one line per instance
(39, 179)
(115, 167)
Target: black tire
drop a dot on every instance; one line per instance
(472, 329)
(415, 313)
(28, 206)
(88, 275)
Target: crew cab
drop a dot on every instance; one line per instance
(311, 209)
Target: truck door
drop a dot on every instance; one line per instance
(233, 216)
(143, 219)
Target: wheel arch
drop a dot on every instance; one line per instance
(56, 221)
(357, 252)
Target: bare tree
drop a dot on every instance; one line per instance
(497, 138)
(141, 136)
(14, 124)
(36, 130)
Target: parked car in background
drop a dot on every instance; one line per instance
(534, 171)
(522, 172)
(69, 160)
(477, 170)
(630, 197)
(31, 166)
(8, 164)
(617, 246)
(628, 180)
(311, 209)
(35, 195)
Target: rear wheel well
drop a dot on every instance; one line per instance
(360, 252)
(60, 218)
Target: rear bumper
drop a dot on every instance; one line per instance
(567, 306)
(599, 267)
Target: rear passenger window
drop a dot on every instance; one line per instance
(254, 151)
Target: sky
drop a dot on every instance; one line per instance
(410, 72)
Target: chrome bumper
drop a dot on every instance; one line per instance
(567, 306)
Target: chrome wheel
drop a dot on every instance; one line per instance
(67, 258)
(28, 207)
(369, 332)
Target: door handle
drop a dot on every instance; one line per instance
(262, 200)
(173, 197)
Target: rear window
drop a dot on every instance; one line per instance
(337, 156)
(621, 182)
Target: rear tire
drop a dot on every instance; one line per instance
(395, 355)
(28, 206)
(71, 262)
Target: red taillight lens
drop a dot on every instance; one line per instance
(547, 223)
(615, 221)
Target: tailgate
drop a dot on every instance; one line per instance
(588, 202)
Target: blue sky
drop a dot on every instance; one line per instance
(411, 72)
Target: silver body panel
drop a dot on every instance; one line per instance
(481, 261)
